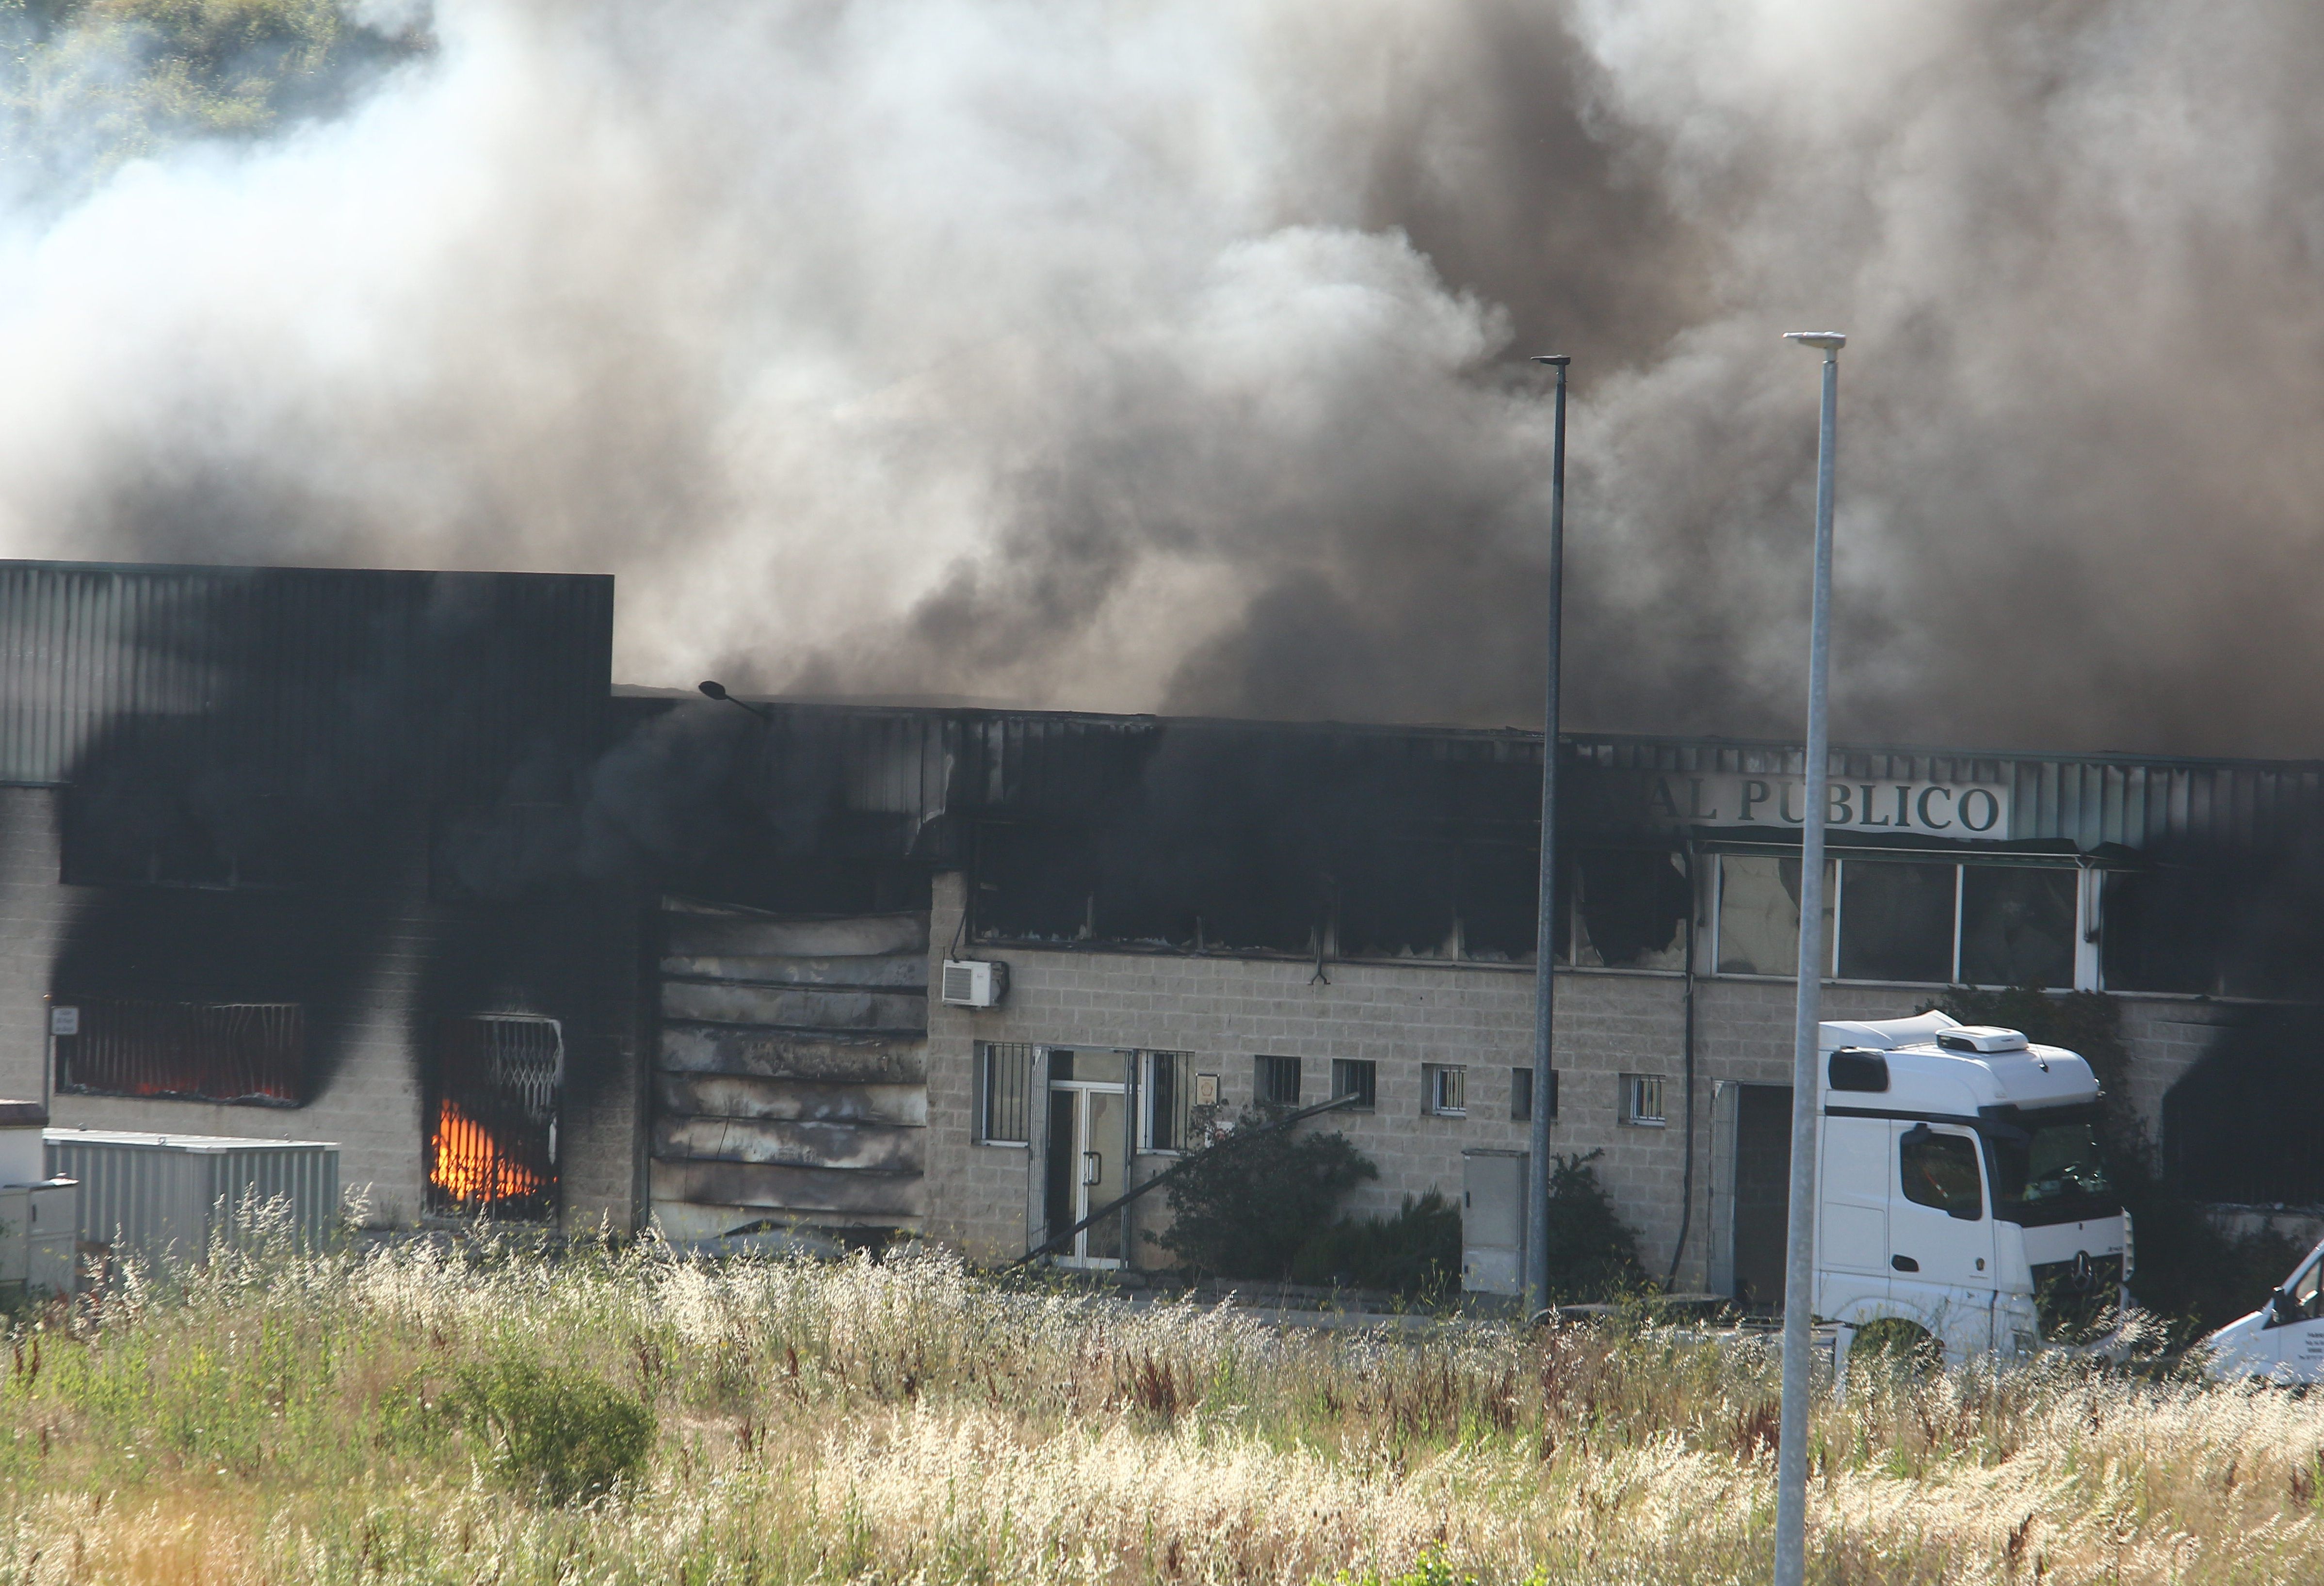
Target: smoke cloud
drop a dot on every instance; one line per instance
(1171, 356)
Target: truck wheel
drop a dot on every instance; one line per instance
(1895, 1342)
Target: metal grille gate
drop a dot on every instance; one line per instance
(491, 1143)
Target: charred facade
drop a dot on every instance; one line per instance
(229, 796)
(383, 858)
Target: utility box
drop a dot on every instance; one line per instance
(1492, 1222)
(164, 1197)
(40, 1232)
(39, 1216)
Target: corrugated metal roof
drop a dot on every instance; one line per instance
(926, 762)
(292, 674)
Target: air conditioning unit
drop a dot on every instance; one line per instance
(1981, 1038)
(968, 983)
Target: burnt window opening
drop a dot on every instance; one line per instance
(1500, 901)
(157, 835)
(1630, 909)
(243, 1053)
(1896, 920)
(493, 1109)
(2017, 925)
(2241, 1125)
(1397, 901)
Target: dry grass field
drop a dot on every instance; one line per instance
(335, 1420)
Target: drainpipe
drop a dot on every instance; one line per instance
(1687, 1145)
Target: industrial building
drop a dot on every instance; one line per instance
(387, 853)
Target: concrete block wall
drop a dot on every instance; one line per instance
(1609, 1023)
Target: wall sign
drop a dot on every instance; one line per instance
(1725, 798)
(64, 1021)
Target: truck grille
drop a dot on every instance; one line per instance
(2077, 1299)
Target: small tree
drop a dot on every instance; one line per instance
(1592, 1256)
(1246, 1207)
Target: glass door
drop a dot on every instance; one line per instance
(1089, 1152)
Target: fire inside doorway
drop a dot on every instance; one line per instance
(491, 1144)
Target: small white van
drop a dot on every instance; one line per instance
(2284, 1338)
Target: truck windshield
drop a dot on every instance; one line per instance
(2048, 1170)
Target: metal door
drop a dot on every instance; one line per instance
(1492, 1220)
(1940, 1235)
(1763, 1168)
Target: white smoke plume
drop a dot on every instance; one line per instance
(1170, 355)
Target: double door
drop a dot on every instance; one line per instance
(1089, 1147)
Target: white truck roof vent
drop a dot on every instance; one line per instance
(1982, 1038)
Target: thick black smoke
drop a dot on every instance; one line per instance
(1170, 356)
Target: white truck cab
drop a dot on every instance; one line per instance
(2284, 1338)
(1958, 1185)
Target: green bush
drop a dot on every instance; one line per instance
(1415, 1253)
(1247, 1207)
(1592, 1256)
(556, 1431)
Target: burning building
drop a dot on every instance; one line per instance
(384, 856)
(231, 805)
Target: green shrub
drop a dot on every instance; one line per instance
(1246, 1207)
(1415, 1253)
(556, 1431)
(1592, 1256)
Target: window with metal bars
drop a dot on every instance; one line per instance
(1275, 1081)
(1445, 1089)
(1169, 1108)
(1005, 1086)
(491, 1143)
(254, 1053)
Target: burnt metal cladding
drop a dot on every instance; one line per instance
(295, 674)
(919, 766)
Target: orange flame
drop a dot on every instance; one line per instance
(468, 1163)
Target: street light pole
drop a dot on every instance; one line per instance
(1799, 1249)
(1544, 955)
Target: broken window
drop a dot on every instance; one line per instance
(1397, 901)
(1500, 902)
(1631, 909)
(2017, 925)
(492, 1145)
(1896, 920)
(1032, 884)
(2160, 932)
(1759, 914)
(1005, 1086)
(246, 1052)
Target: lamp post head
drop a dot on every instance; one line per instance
(1831, 341)
(1560, 359)
(715, 690)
